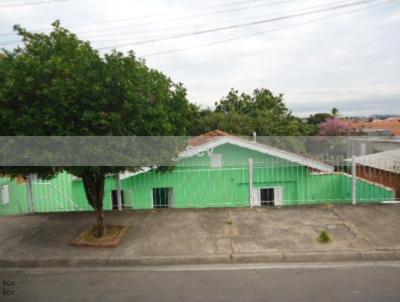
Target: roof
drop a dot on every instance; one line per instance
(387, 160)
(201, 139)
(217, 138)
(393, 125)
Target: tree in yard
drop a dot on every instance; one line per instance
(58, 85)
(242, 114)
(334, 127)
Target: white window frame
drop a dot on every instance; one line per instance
(278, 196)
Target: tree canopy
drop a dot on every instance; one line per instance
(242, 114)
(58, 85)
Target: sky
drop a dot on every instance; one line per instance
(319, 53)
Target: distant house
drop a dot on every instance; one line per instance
(216, 170)
(364, 145)
(376, 127)
(382, 168)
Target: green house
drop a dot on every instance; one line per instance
(214, 171)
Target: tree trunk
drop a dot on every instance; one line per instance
(94, 189)
(100, 229)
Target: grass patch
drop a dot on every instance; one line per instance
(111, 238)
(110, 232)
(324, 237)
(230, 222)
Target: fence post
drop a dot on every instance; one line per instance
(353, 179)
(119, 194)
(251, 182)
(29, 188)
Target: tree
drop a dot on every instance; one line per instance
(58, 85)
(318, 118)
(334, 127)
(242, 114)
(335, 112)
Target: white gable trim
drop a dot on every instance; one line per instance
(221, 140)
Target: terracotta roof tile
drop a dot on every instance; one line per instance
(206, 137)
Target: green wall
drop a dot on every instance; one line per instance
(78, 193)
(18, 198)
(196, 185)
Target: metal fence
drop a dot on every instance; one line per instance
(223, 183)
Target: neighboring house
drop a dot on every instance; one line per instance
(216, 170)
(376, 127)
(369, 145)
(382, 168)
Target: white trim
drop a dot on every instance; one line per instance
(376, 184)
(127, 174)
(221, 140)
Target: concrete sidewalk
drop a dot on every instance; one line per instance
(183, 236)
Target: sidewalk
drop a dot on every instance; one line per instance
(183, 236)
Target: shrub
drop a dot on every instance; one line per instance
(324, 237)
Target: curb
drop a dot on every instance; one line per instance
(275, 257)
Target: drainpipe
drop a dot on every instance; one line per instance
(251, 182)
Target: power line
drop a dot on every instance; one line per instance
(218, 29)
(33, 3)
(265, 32)
(180, 27)
(170, 13)
(187, 17)
(190, 17)
(173, 28)
(149, 16)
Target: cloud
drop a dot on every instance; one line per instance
(343, 60)
(383, 104)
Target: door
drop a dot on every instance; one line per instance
(272, 196)
(267, 196)
(278, 196)
(114, 198)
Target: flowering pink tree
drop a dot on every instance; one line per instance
(334, 127)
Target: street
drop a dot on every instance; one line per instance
(290, 282)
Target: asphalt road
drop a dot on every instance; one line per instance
(325, 282)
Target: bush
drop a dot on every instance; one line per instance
(324, 237)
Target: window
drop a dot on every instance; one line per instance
(162, 197)
(267, 197)
(216, 160)
(114, 198)
(5, 195)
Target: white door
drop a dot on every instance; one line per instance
(278, 196)
(256, 197)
